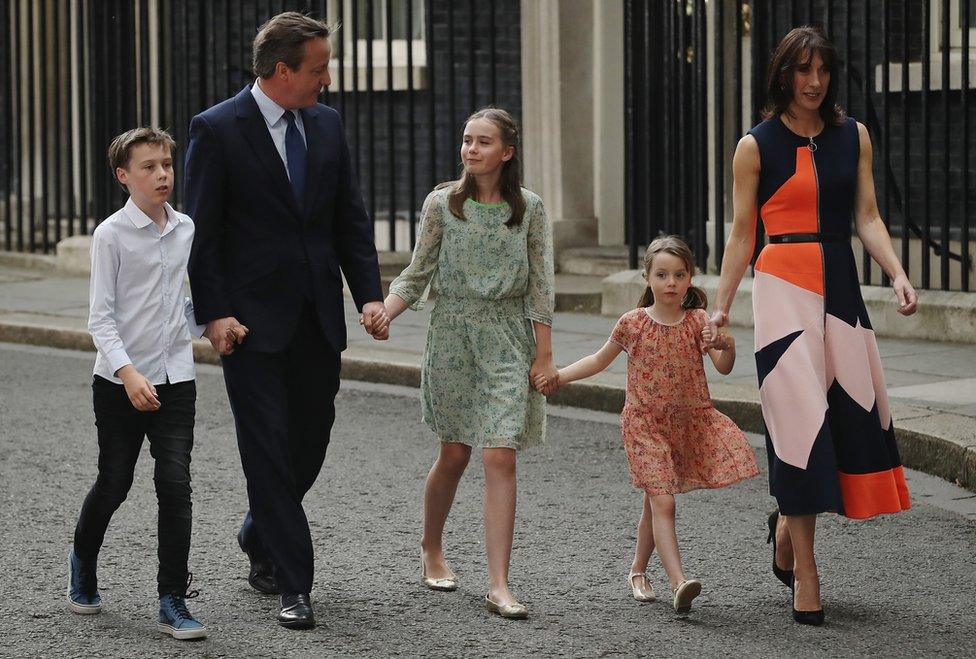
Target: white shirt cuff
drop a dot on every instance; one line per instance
(117, 359)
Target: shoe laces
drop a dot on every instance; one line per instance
(179, 599)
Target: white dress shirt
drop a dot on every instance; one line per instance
(138, 312)
(274, 116)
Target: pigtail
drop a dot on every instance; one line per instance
(695, 298)
(647, 299)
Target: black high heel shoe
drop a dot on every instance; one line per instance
(786, 576)
(813, 618)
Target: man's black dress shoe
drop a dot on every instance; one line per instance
(296, 611)
(261, 576)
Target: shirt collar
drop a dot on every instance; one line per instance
(271, 111)
(140, 220)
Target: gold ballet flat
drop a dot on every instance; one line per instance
(686, 591)
(640, 593)
(445, 585)
(515, 611)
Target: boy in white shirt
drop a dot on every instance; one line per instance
(140, 322)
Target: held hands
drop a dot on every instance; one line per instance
(141, 392)
(375, 320)
(716, 339)
(225, 333)
(717, 320)
(544, 377)
(907, 297)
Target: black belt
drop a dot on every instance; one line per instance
(808, 238)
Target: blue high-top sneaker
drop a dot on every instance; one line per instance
(83, 597)
(176, 620)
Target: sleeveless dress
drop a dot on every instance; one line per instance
(490, 282)
(829, 436)
(676, 441)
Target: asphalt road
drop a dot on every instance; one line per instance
(897, 586)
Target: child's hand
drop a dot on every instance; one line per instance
(375, 320)
(546, 385)
(237, 333)
(552, 386)
(141, 392)
(707, 338)
(716, 339)
(218, 336)
(543, 374)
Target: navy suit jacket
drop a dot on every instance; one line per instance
(255, 246)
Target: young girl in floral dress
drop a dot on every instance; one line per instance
(485, 249)
(676, 441)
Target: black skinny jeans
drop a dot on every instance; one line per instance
(121, 429)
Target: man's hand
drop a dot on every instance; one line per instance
(220, 331)
(141, 392)
(375, 320)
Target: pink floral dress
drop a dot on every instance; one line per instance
(676, 440)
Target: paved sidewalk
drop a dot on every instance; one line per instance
(931, 385)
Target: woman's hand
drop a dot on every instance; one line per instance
(907, 297)
(543, 376)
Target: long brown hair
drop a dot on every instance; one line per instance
(695, 298)
(796, 49)
(510, 181)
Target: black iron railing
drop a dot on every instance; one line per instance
(73, 75)
(688, 70)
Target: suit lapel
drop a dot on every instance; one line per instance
(255, 130)
(315, 142)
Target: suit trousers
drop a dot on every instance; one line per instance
(283, 405)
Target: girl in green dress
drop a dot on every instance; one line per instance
(484, 248)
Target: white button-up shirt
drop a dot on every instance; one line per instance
(274, 116)
(138, 311)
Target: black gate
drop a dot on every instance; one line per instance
(905, 73)
(73, 75)
(666, 152)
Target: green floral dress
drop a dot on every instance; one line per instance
(490, 282)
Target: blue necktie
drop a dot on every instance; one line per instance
(295, 152)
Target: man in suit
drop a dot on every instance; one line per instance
(278, 213)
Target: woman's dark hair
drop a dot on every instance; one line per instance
(795, 50)
(510, 181)
(695, 298)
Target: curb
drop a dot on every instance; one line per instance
(951, 460)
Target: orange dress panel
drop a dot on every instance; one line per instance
(793, 209)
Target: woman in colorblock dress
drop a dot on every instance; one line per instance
(485, 250)
(805, 171)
